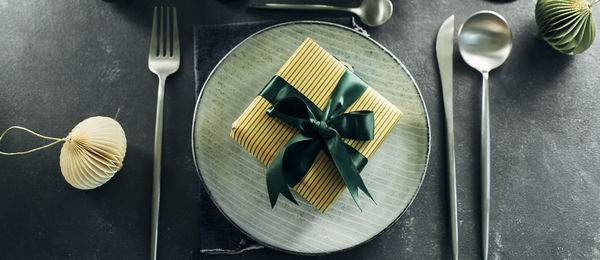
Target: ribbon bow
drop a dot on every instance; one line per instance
(319, 129)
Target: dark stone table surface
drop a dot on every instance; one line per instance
(63, 61)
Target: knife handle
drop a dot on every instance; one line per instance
(485, 164)
(451, 174)
(452, 188)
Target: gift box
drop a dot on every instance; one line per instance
(295, 116)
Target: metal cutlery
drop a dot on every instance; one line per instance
(484, 42)
(163, 60)
(370, 12)
(444, 51)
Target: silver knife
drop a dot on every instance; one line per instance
(444, 50)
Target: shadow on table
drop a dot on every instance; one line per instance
(108, 198)
(543, 64)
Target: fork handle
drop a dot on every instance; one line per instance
(158, 128)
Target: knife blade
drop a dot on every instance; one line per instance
(444, 48)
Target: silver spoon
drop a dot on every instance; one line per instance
(370, 12)
(484, 42)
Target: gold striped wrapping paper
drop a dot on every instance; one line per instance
(315, 73)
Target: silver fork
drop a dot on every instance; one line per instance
(162, 61)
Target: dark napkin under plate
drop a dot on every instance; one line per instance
(211, 44)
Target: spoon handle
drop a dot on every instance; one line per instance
(485, 164)
(299, 7)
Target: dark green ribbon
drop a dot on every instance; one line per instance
(319, 129)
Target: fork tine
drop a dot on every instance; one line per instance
(175, 34)
(153, 40)
(161, 45)
(168, 46)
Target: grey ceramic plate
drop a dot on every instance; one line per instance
(236, 181)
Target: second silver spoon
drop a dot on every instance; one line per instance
(370, 12)
(484, 42)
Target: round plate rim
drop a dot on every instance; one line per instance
(378, 45)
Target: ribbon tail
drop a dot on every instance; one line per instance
(279, 177)
(337, 151)
(359, 165)
(277, 184)
(353, 189)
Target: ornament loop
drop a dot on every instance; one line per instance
(56, 140)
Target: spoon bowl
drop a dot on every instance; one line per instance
(484, 42)
(374, 12)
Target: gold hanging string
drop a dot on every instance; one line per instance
(56, 140)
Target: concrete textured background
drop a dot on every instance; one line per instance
(64, 61)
